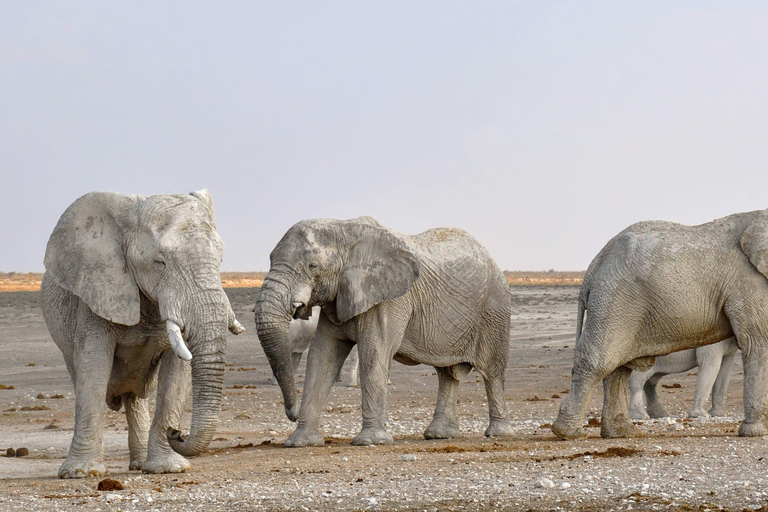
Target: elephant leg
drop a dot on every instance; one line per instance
(296, 361)
(137, 415)
(755, 390)
(173, 385)
(615, 419)
(445, 423)
(325, 359)
(636, 399)
(656, 409)
(384, 327)
(351, 378)
(709, 367)
(720, 389)
(591, 364)
(94, 351)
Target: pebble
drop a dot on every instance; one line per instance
(409, 457)
(544, 483)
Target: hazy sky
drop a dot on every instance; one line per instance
(543, 128)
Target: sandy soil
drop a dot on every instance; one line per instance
(677, 464)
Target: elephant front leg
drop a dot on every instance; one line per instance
(325, 359)
(755, 390)
(708, 370)
(173, 383)
(445, 423)
(92, 367)
(137, 415)
(615, 420)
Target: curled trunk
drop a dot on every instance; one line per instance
(207, 342)
(272, 323)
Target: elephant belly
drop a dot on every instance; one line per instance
(134, 370)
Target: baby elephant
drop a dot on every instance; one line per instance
(435, 298)
(715, 363)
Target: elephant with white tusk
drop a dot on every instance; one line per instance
(132, 296)
(660, 287)
(436, 298)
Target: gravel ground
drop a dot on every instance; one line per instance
(677, 463)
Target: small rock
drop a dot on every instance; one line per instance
(109, 484)
(57, 396)
(409, 457)
(22, 452)
(10, 452)
(565, 485)
(110, 496)
(41, 396)
(372, 502)
(544, 483)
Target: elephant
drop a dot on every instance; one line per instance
(660, 287)
(435, 298)
(132, 297)
(300, 334)
(715, 363)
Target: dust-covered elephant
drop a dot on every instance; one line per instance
(436, 298)
(131, 293)
(714, 362)
(660, 287)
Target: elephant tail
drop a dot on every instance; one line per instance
(583, 297)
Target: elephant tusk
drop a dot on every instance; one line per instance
(177, 342)
(236, 327)
(297, 305)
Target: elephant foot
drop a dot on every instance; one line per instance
(657, 411)
(698, 413)
(372, 435)
(304, 437)
(499, 428)
(136, 464)
(752, 429)
(80, 468)
(442, 428)
(620, 426)
(638, 414)
(717, 412)
(566, 430)
(165, 463)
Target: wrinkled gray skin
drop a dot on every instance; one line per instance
(300, 334)
(436, 298)
(659, 287)
(124, 275)
(715, 363)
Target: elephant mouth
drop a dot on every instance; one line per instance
(302, 312)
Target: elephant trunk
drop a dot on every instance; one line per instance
(273, 323)
(207, 342)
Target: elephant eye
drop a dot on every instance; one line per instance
(159, 262)
(313, 266)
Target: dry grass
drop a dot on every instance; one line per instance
(18, 282)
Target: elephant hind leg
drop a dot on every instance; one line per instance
(445, 423)
(615, 420)
(137, 415)
(491, 363)
(656, 409)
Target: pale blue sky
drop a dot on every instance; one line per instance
(543, 128)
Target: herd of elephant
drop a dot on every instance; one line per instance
(132, 296)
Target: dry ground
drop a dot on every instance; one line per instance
(678, 464)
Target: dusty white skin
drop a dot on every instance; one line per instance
(660, 287)
(436, 298)
(132, 293)
(714, 362)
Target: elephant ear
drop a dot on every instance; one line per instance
(85, 255)
(754, 242)
(205, 197)
(380, 266)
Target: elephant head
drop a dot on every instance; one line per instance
(344, 266)
(131, 258)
